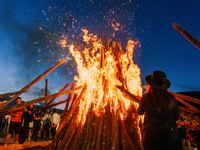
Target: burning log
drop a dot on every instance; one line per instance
(107, 128)
(125, 135)
(115, 133)
(90, 124)
(33, 82)
(187, 35)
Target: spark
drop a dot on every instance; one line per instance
(44, 13)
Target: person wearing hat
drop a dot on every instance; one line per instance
(161, 111)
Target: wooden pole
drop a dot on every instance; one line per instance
(8, 94)
(188, 110)
(68, 116)
(187, 104)
(187, 98)
(33, 82)
(125, 133)
(46, 88)
(187, 35)
(70, 98)
(90, 131)
(63, 89)
(55, 104)
(11, 109)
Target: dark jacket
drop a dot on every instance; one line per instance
(153, 118)
(159, 125)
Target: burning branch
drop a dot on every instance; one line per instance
(129, 95)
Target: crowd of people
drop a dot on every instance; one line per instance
(30, 123)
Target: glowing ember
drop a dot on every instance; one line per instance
(115, 26)
(63, 41)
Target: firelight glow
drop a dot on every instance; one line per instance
(101, 69)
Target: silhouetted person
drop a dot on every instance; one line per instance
(161, 112)
(27, 118)
(36, 125)
(46, 125)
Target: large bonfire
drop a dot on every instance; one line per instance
(100, 115)
(100, 110)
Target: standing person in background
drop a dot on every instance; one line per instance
(15, 123)
(7, 125)
(36, 124)
(27, 118)
(161, 113)
(55, 122)
(3, 123)
(30, 131)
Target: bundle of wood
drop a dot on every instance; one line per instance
(106, 131)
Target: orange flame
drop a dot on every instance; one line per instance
(98, 68)
(115, 26)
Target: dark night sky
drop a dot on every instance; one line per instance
(30, 31)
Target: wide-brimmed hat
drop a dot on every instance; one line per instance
(158, 80)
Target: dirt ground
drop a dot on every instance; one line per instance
(28, 145)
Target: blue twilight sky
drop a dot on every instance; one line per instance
(30, 31)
